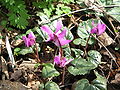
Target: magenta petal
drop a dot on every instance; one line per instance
(63, 61)
(101, 28)
(56, 41)
(31, 35)
(31, 42)
(57, 60)
(93, 24)
(58, 25)
(63, 41)
(94, 30)
(68, 61)
(26, 40)
(47, 29)
(62, 34)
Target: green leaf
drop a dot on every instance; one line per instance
(16, 50)
(101, 78)
(78, 52)
(69, 35)
(79, 41)
(49, 70)
(82, 31)
(81, 66)
(115, 13)
(26, 51)
(42, 16)
(84, 84)
(51, 86)
(81, 84)
(67, 1)
(37, 65)
(91, 40)
(94, 57)
(41, 34)
(47, 12)
(41, 4)
(41, 87)
(17, 15)
(61, 8)
(3, 23)
(67, 51)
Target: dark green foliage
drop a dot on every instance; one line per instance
(51, 6)
(17, 13)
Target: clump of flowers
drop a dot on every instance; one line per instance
(61, 61)
(98, 29)
(56, 37)
(29, 40)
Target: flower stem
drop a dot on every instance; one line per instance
(85, 52)
(63, 76)
(37, 55)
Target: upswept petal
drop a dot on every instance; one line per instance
(63, 61)
(26, 40)
(58, 25)
(56, 41)
(47, 29)
(31, 35)
(68, 61)
(101, 28)
(63, 41)
(31, 42)
(94, 30)
(62, 34)
(57, 59)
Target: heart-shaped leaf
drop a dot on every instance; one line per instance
(94, 57)
(81, 66)
(51, 86)
(85, 85)
(49, 70)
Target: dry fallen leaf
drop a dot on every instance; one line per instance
(16, 75)
(105, 39)
(8, 85)
(4, 68)
(34, 85)
(117, 79)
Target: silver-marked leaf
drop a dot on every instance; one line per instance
(77, 52)
(84, 84)
(51, 86)
(49, 70)
(94, 57)
(81, 67)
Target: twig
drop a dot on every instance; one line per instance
(113, 59)
(72, 12)
(106, 50)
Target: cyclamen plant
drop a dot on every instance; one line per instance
(99, 29)
(61, 61)
(56, 37)
(30, 40)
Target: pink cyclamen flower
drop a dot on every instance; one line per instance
(57, 37)
(29, 40)
(61, 61)
(99, 29)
